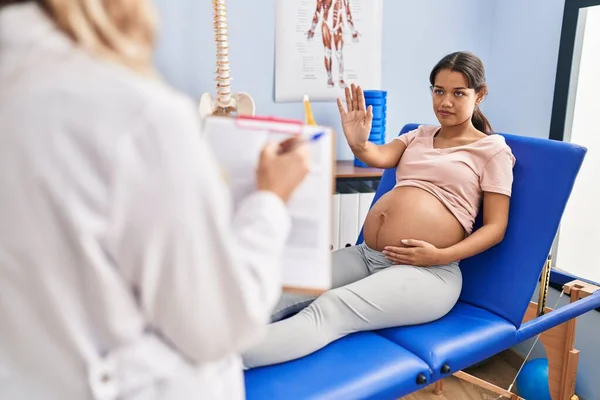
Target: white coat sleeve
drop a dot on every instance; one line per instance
(205, 279)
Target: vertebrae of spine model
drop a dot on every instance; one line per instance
(222, 41)
(226, 102)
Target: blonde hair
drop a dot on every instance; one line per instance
(121, 30)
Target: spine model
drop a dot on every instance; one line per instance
(221, 39)
(226, 103)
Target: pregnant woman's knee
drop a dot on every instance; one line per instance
(341, 311)
(402, 295)
(330, 313)
(443, 293)
(348, 266)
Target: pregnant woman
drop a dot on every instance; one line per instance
(407, 270)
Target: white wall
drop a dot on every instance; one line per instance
(522, 67)
(519, 48)
(416, 35)
(579, 234)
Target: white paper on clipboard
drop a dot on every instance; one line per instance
(237, 143)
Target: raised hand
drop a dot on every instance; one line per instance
(356, 120)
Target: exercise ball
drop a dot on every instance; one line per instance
(532, 382)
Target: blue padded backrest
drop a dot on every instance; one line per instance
(503, 278)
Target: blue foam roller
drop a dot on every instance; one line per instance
(377, 137)
(374, 93)
(375, 101)
(381, 107)
(377, 129)
(378, 113)
(378, 122)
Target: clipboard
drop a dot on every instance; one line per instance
(236, 143)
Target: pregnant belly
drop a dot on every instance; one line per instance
(410, 213)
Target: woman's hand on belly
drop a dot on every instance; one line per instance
(416, 252)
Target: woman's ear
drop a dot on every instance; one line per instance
(480, 95)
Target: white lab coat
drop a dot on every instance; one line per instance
(124, 271)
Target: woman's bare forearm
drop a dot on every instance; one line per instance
(384, 156)
(481, 240)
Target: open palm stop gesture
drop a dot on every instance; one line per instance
(357, 120)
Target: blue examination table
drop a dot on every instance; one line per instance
(498, 285)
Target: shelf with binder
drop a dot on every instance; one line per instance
(355, 189)
(351, 202)
(346, 170)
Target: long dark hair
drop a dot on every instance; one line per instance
(472, 68)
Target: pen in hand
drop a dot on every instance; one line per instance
(291, 143)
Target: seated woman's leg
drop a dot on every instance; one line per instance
(395, 296)
(348, 265)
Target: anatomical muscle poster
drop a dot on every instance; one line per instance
(321, 46)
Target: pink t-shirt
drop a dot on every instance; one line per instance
(459, 175)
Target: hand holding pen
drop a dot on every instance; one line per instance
(283, 166)
(299, 140)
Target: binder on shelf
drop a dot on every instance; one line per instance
(366, 194)
(349, 228)
(335, 223)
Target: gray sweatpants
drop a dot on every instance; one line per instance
(369, 292)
